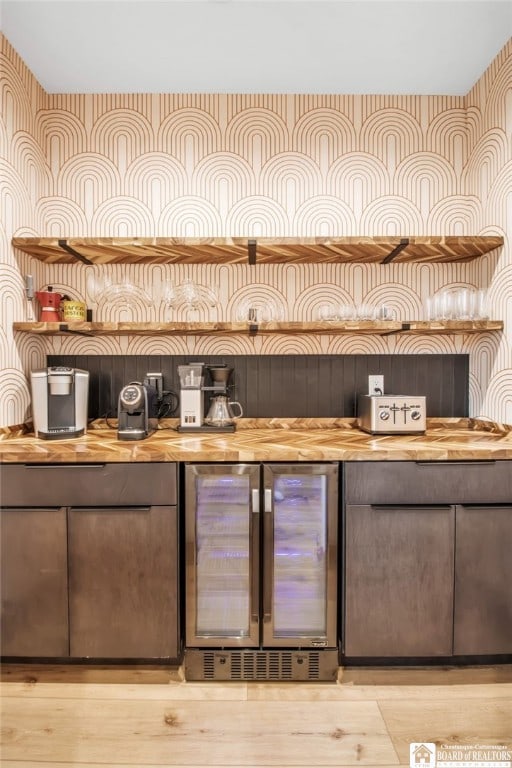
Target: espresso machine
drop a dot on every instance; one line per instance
(137, 411)
(59, 402)
(197, 381)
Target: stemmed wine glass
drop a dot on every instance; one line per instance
(95, 286)
(164, 293)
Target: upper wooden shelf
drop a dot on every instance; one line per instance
(288, 250)
(375, 327)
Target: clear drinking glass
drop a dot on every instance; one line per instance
(327, 312)
(481, 306)
(444, 305)
(462, 304)
(346, 312)
(365, 311)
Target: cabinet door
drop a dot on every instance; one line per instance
(34, 582)
(399, 581)
(299, 559)
(222, 557)
(483, 580)
(123, 582)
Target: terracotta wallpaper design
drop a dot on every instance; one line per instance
(205, 165)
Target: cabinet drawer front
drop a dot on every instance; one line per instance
(415, 482)
(40, 485)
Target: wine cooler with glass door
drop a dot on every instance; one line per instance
(261, 571)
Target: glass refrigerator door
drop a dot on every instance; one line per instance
(222, 531)
(300, 556)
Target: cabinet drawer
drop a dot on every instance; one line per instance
(91, 485)
(435, 482)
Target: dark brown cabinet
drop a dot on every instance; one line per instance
(122, 582)
(427, 559)
(483, 580)
(399, 580)
(114, 529)
(34, 582)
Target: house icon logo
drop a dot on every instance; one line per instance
(422, 755)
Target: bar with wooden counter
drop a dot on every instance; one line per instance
(91, 557)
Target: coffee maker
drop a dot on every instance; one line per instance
(197, 380)
(50, 305)
(59, 402)
(137, 411)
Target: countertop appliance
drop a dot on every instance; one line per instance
(197, 381)
(50, 302)
(137, 411)
(261, 571)
(392, 414)
(59, 402)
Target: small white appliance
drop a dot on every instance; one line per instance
(191, 395)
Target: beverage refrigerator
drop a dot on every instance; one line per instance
(261, 571)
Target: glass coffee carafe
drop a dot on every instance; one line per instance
(220, 413)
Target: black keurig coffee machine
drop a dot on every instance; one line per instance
(137, 411)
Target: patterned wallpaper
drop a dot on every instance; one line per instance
(205, 165)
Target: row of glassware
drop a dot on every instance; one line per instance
(449, 304)
(187, 297)
(332, 312)
(190, 297)
(457, 304)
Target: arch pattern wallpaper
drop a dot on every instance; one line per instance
(247, 165)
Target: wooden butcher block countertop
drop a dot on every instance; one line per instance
(268, 440)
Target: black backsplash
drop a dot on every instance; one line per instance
(290, 385)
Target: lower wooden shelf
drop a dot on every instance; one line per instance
(375, 327)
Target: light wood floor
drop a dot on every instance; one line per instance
(140, 717)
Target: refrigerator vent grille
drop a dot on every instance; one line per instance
(314, 667)
(209, 666)
(260, 665)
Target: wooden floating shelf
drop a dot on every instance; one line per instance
(380, 327)
(291, 250)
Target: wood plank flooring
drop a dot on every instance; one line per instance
(147, 717)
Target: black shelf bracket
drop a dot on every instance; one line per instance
(65, 247)
(253, 329)
(251, 250)
(403, 327)
(64, 328)
(404, 242)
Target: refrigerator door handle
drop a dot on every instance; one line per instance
(268, 547)
(268, 500)
(254, 546)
